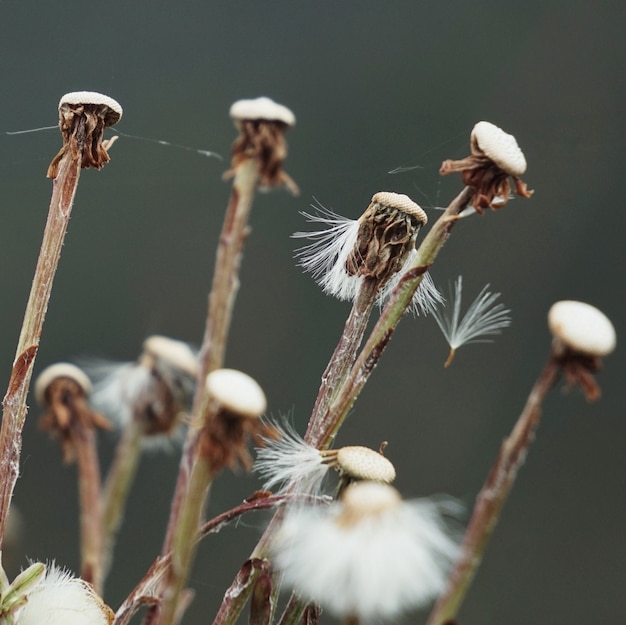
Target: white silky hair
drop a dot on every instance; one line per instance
(325, 259)
(62, 599)
(375, 569)
(483, 317)
(289, 463)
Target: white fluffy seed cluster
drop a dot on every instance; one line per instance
(500, 147)
(582, 327)
(262, 108)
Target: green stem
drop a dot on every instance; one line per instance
(492, 497)
(14, 403)
(118, 483)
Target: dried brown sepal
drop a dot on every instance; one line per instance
(68, 408)
(386, 236)
(82, 127)
(264, 141)
(225, 438)
(579, 370)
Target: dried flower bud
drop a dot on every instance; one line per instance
(262, 124)
(495, 156)
(582, 335)
(236, 403)
(64, 389)
(83, 116)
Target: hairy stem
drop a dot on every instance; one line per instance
(343, 357)
(14, 403)
(492, 497)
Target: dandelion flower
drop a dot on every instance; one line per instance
(369, 556)
(379, 245)
(289, 462)
(483, 318)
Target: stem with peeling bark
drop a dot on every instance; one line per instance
(14, 403)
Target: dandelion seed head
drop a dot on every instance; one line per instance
(236, 392)
(363, 463)
(327, 559)
(498, 146)
(582, 327)
(61, 370)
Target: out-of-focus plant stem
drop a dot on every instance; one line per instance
(492, 498)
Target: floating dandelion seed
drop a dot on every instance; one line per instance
(370, 555)
(286, 460)
(483, 318)
(380, 244)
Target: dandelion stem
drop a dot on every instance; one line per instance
(493, 496)
(195, 476)
(344, 355)
(400, 300)
(84, 443)
(117, 486)
(14, 403)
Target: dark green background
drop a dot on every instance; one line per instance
(374, 86)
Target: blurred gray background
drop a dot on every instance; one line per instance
(374, 86)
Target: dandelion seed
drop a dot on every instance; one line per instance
(379, 245)
(483, 318)
(369, 556)
(287, 461)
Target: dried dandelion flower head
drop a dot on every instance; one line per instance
(262, 124)
(236, 403)
(379, 246)
(83, 116)
(368, 556)
(582, 336)
(64, 389)
(290, 463)
(495, 156)
(62, 599)
(154, 392)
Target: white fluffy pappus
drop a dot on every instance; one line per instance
(372, 564)
(289, 462)
(62, 599)
(325, 259)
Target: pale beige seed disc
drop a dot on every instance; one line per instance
(500, 147)
(363, 463)
(262, 108)
(582, 328)
(401, 202)
(362, 499)
(237, 392)
(60, 370)
(93, 97)
(175, 353)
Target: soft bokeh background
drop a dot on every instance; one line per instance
(375, 86)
